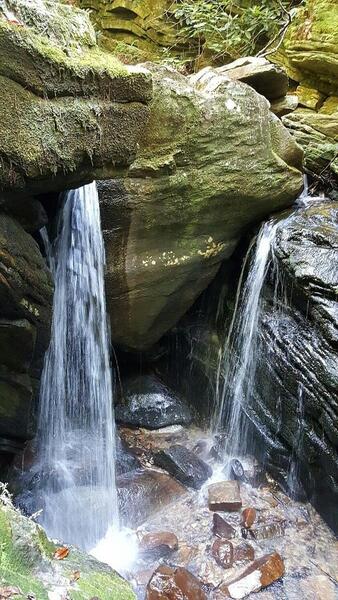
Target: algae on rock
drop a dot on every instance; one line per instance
(69, 111)
(26, 561)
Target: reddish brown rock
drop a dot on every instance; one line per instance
(174, 583)
(221, 528)
(158, 544)
(248, 517)
(225, 496)
(258, 575)
(243, 551)
(223, 553)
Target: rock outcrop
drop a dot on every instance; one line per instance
(69, 111)
(29, 565)
(25, 299)
(309, 54)
(212, 161)
(294, 409)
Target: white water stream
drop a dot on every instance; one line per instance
(76, 436)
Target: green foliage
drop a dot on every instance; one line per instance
(231, 28)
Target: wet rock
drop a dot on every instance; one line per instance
(318, 587)
(126, 461)
(184, 465)
(261, 573)
(268, 528)
(267, 79)
(298, 358)
(148, 403)
(223, 553)
(243, 552)
(221, 528)
(248, 517)
(224, 496)
(143, 493)
(237, 470)
(174, 583)
(157, 544)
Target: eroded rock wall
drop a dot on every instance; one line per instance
(294, 410)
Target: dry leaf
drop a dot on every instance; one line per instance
(61, 553)
(9, 591)
(75, 576)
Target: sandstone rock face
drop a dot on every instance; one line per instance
(212, 161)
(27, 561)
(310, 48)
(69, 111)
(317, 134)
(134, 27)
(25, 313)
(299, 359)
(267, 79)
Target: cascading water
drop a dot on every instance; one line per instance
(237, 363)
(76, 425)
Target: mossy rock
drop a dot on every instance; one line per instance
(212, 161)
(317, 134)
(310, 48)
(26, 561)
(69, 111)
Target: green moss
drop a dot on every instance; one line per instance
(105, 586)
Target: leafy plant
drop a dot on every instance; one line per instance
(231, 28)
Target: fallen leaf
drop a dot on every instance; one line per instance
(75, 576)
(61, 553)
(8, 591)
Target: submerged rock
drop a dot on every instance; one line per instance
(223, 553)
(224, 496)
(221, 528)
(143, 493)
(212, 161)
(260, 574)
(157, 544)
(27, 560)
(148, 403)
(184, 465)
(174, 583)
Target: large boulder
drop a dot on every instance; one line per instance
(310, 48)
(212, 161)
(69, 111)
(148, 403)
(26, 300)
(266, 78)
(29, 568)
(294, 409)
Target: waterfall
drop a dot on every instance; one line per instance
(238, 360)
(76, 425)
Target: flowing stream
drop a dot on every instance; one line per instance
(76, 437)
(238, 361)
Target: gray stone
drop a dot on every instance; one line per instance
(266, 78)
(184, 465)
(148, 403)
